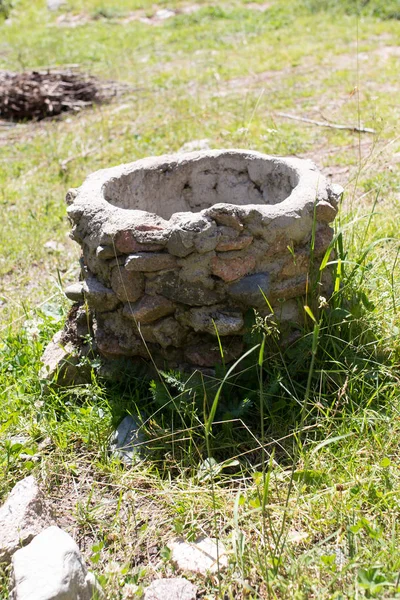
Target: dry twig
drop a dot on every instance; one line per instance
(326, 124)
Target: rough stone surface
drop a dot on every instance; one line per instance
(149, 261)
(173, 237)
(51, 568)
(149, 309)
(127, 285)
(61, 360)
(203, 556)
(22, 516)
(127, 440)
(176, 588)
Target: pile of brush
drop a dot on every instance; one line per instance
(35, 95)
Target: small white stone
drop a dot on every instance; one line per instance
(51, 568)
(203, 556)
(195, 145)
(164, 13)
(171, 589)
(22, 516)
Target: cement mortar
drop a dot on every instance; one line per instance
(179, 247)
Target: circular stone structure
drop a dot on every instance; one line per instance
(176, 249)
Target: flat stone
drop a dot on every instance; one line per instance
(128, 285)
(208, 354)
(22, 516)
(149, 309)
(99, 296)
(239, 243)
(176, 588)
(214, 318)
(230, 269)
(250, 289)
(203, 556)
(173, 287)
(74, 292)
(51, 567)
(126, 243)
(127, 440)
(295, 265)
(150, 261)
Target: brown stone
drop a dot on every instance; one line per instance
(230, 269)
(290, 288)
(236, 244)
(298, 264)
(126, 243)
(128, 285)
(323, 237)
(150, 261)
(225, 216)
(149, 309)
(325, 212)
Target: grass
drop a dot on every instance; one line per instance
(304, 483)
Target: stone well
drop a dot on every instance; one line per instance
(178, 247)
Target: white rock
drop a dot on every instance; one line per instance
(164, 13)
(54, 5)
(171, 589)
(200, 556)
(195, 145)
(51, 568)
(22, 516)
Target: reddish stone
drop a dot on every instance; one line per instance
(127, 285)
(230, 269)
(236, 244)
(125, 242)
(150, 261)
(149, 309)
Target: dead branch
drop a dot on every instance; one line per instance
(329, 125)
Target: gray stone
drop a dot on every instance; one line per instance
(250, 290)
(51, 567)
(206, 555)
(127, 440)
(149, 309)
(149, 261)
(213, 319)
(62, 363)
(22, 516)
(173, 287)
(74, 292)
(176, 588)
(99, 296)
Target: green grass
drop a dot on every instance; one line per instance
(304, 484)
